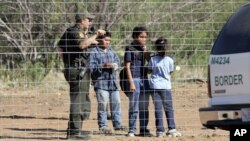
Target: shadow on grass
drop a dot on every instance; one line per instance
(32, 117)
(32, 138)
(46, 132)
(38, 130)
(18, 117)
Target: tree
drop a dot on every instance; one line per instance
(29, 29)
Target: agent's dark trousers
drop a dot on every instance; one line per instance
(80, 104)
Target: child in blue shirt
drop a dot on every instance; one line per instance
(161, 66)
(103, 66)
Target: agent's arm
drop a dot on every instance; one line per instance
(91, 40)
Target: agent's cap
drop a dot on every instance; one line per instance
(83, 15)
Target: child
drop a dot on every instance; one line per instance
(161, 66)
(135, 56)
(103, 65)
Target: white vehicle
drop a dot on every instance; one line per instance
(229, 75)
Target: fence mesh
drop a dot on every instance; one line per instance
(34, 95)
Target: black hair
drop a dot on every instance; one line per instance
(78, 21)
(138, 30)
(107, 34)
(161, 45)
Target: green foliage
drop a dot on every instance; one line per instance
(35, 71)
(28, 74)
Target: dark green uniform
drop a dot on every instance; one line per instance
(74, 58)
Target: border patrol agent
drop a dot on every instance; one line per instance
(73, 48)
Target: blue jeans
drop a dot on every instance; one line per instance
(103, 96)
(144, 105)
(163, 98)
(133, 104)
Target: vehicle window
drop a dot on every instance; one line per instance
(235, 35)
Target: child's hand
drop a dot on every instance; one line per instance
(115, 66)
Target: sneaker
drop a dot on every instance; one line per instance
(105, 131)
(131, 135)
(173, 133)
(159, 134)
(121, 128)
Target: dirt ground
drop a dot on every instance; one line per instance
(41, 113)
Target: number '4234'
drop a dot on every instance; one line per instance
(220, 60)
